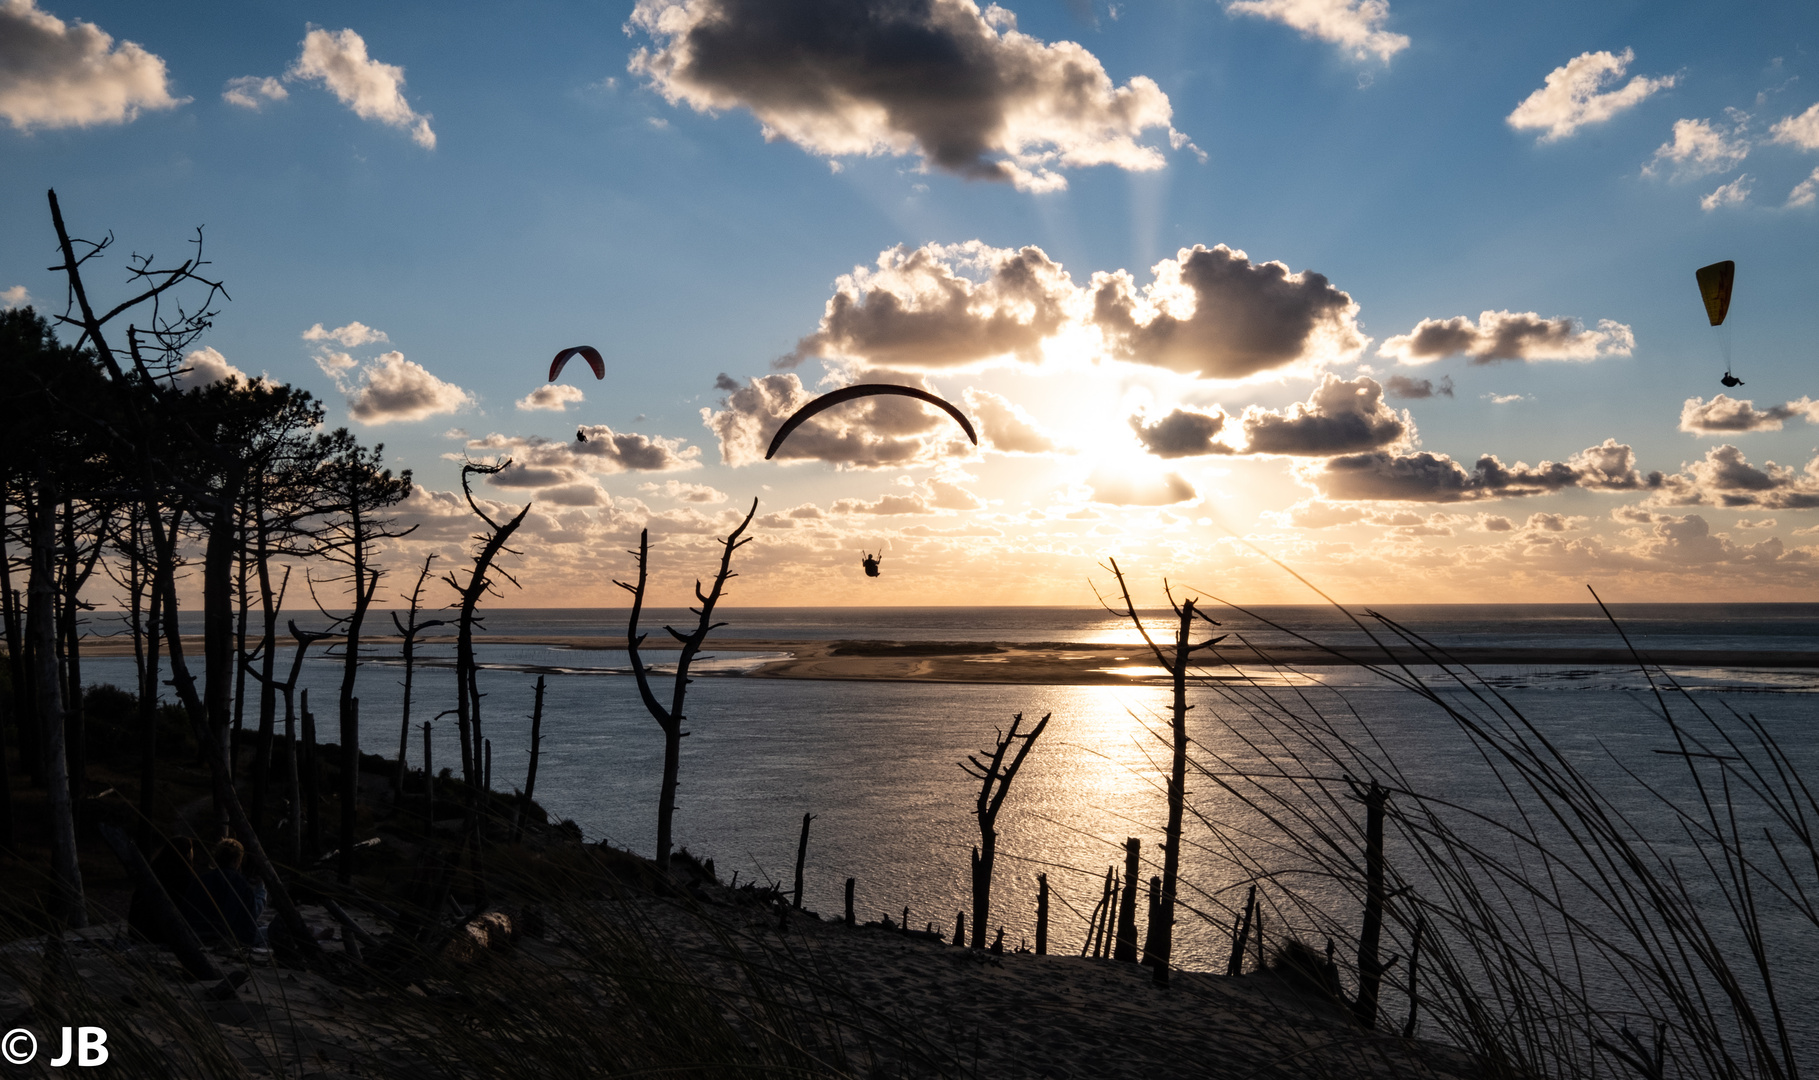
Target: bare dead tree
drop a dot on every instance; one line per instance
(304, 639)
(994, 784)
(1176, 663)
(478, 585)
(409, 629)
(670, 719)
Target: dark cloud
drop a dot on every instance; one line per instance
(937, 78)
(918, 310)
(1726, 414)
(871, 433)
(723, 381)
(1214, 314)
(1427, 477)
(1726, 478)
(1509, 335)
(1182, 433)
(1404, 388)
(1689, 539)
(1339, 417)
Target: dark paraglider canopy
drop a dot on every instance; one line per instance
(586, 352)
(849, 393)
(1715, 288)
(870, 562)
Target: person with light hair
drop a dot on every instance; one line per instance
(223, 904)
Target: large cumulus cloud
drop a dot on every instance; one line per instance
(1509, 335)
(872, 433)
(1208, 312)
(55, 74)
(1214, 314)
(961, 89)
(920, 309)
(393, 388)
(1725, 477)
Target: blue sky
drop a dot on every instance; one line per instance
(485, 185)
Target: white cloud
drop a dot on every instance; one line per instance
(1805, 191)
(374, 90)
(349, 336)
(1700, 148)
(55, 74)
(1508, 335)
(538, 462)
(1731, 194)
(1724, 413)
(1005, 427)
(204, 367)
(1119, 488)
(551, 397)
(1575, 94)
(1504, 399)
(15, 297)
(335, 364)
(1356, 26)
(253, 91)
(689, 493)
(1801, 131)
(393, 388)
(961, 89)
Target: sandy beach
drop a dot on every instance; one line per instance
(1063, 663)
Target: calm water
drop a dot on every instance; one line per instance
(877, 763)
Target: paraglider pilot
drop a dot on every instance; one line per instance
(1731, 380)
(870, 563)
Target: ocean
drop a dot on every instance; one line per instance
(878, 763)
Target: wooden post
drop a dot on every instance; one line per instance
(1155, 909)
(486, 776)
(850, 921)
(960, 928)
(530, 777)
(312, 781)
(1235, 966)
(1370, 967)
(429, 786)
(801, 857)
(1041, 914)
(1126, 948)
(1414, 978)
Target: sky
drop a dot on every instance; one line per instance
(1399, 294)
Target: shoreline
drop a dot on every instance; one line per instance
(1067, 663)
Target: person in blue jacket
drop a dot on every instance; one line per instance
(222, 904)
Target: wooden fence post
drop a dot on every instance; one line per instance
(1126, 948)
(1041, 914)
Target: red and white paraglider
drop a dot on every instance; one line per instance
(585, 352)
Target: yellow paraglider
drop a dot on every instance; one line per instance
(1715, 289)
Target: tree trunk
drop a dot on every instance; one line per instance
(1177, 798)
(218, 633)
(312, 782)
(234, 744)
(75, 733)
(148, 708)
(64, 864)
(268, 647)
(801, 857)
(1370, 968)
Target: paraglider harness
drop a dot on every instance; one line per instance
(870, 562)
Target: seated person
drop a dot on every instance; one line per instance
(223, 904)
(175, 868)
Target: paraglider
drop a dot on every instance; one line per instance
(580, 435)
(1715, 289)
(849, 393)
(586, 352)
(870, 562)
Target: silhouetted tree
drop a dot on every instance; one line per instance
(1176, 662)
(994, 784)
(670, 719)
